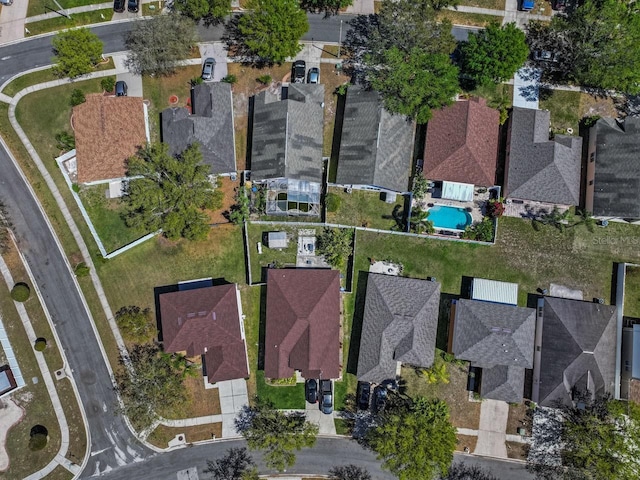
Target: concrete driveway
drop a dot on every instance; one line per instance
(526, 87)
(219, 52)
(233, 396)
(493, 425)
(325, 423)
(134, 82)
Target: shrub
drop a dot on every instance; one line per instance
(40, 345)
(342, 89)
(333, 202)
(20, 292)
(420, 185)
(196, 81)
(482, 231)
(77, 97)
(230, 79)
(264, 79)
(108, 84)
(39, 437)
(65, 141)
(81, 270)
(495, 208)
(75, 187)
(135, 323)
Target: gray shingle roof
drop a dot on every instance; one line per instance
(539, 169)
(617, 169)
(376, 146)
(210, 125)
(287, 134)
(503, 382)
(578, 344)
(399, 325)
(489, 334)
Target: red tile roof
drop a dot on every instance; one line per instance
(108, 131)
(303, 323)
(462, 143)
(206, 319)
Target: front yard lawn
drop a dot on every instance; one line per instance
(366, 209)
(564, 107)
(161, 436)
(468, 19)
(491, 4)
(77, 20)
(285, 397)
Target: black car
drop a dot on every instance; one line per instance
(326, 390)
(311, 390)
(121, 89)
(299, 71)
(364, 395)
(118, 6)
(380, 395)
(133, 5)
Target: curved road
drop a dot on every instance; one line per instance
(115, 451)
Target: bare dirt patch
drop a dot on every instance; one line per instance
(602, 106)
(228, 188)
(466, 441)
(161, 436)
(517, 451)
(517, 418)
(10, 415)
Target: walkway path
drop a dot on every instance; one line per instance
(361, 7)
(48, 380)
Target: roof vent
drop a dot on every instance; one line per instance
(214, 315)
(191, 315)
(202, 314)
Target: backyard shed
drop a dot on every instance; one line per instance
(494, 291)
(277, 240)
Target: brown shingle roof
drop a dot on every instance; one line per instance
(462, 143)
(303, 323)
(206, 318)
(108, 131)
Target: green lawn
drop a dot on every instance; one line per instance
(27, 80)
(496, 94)
(77, 20)
(37, 7)
(564, 107)
(282, 397)
(106, 216)
(632, 293)
(284, 257)
(492, 4)
(469, 19)
(365, 209)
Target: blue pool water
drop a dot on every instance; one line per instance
(454, 218)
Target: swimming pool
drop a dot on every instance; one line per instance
(452, 218)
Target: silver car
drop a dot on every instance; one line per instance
(208, 68)
(6, 2)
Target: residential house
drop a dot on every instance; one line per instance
(108, 130)
(302, 329)
(210, 125)
(206, 322)
(539, 169)
(575, 350)
(462, 143)
(613, 169)
(399, 326)
(498, 339)
(630, 368)
(286, 148)
(376, 146)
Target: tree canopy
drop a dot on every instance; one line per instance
(404, 53)
(276, 432)
(135, 323)
(494, 54)
(212, 11)
(328, 6)
(417, 442)
(153, 51)
(415, 83)
(596, 44)
(236, 464)
(349, 472)
(335, 245)
(77, 52)
(170, 193)
(151, 387)
(271, 30)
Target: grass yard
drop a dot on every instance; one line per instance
(331, 79)
(159, 89)
(468, 441)
(517, 451)
(106, 216)
(365, 209)
(331, 51)
(162, 434)
(492, 4)
(564, 107)
(149, 10)
(252, 300)
(202, 401)
(517, 418)
(342, 427)
(77, 20)
(464, 414)
(282, 397)
(37, 7)
(497, 95)
(27, 80)
(469, 19)
(632, 293)
(285, 257)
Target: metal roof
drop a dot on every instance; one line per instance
(494, 291)
(462, 192)
(277, 239)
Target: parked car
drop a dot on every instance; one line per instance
(299, 71)
(311, 390)
(545, 56)
(326, 390)
(208, 68)
(121, 89)
(6, 2)
(118, 6)
(380, 395)
(313, 75)
(528, 5)
(133, 5)
(364, 395)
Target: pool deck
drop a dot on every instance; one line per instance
(477, 204)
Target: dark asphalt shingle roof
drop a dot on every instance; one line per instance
(210, 125)
(578, 343)
(287, 134)
(617, 168)
(376, 146)
(400, 323)
(540, 169)
(503, 382)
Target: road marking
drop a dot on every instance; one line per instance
(189, 474)
(6, 58)
(99, 451)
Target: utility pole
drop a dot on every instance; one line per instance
(340, 39)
